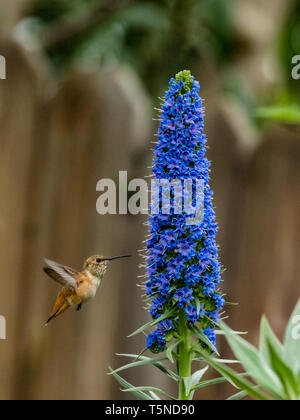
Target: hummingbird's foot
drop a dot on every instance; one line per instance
(79, 307)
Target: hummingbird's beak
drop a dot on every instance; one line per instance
(121, 256)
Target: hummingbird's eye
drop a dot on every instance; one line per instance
(98, 260)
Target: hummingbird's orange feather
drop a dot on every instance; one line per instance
(65, 299)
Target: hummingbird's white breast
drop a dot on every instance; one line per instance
(87, 289)
(95, 280)
(94, 285)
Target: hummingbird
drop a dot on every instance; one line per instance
(78, 286)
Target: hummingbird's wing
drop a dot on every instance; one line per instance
(64, 275)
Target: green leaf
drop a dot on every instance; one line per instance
(195, 379)
(228, 361)
(191, 381)
(187, 384)
(291, 352)
(198, 304)
(145, 16)
(235, 379)
(149, 388)
(210, 382)
(221, 332)
(285, 374)
(239, 396)
(139, 363)
(198, 375)
(137, 393)
(289, 114)
(254, 364)
(139, 357)
(147, 361)
(169, 352)
(154, 396)
(150, 324)
(202, 337)
(217, 381)
(267, 336)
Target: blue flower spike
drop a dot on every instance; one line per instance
(183, 270)
(182, 258)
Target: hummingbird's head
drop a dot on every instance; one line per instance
(97, 264)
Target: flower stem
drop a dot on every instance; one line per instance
(184, 357)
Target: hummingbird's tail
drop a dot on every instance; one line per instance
(58, 312)
(50, 319)
(61, 304)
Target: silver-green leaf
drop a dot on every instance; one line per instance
(291, 352)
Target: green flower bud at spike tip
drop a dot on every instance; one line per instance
(186, 78)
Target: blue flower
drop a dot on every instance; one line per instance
(182, 262)
(166, 325)
(157, 306)
(193, 314)
(213, 315)
(183, 296)
(211, 335)
(220, 302)
(156, 340)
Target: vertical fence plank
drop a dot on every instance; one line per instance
(268, 277)
(19, 98)
(91, 116)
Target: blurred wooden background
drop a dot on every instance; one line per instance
(57, 140)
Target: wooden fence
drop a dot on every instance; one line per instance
(57, 140)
